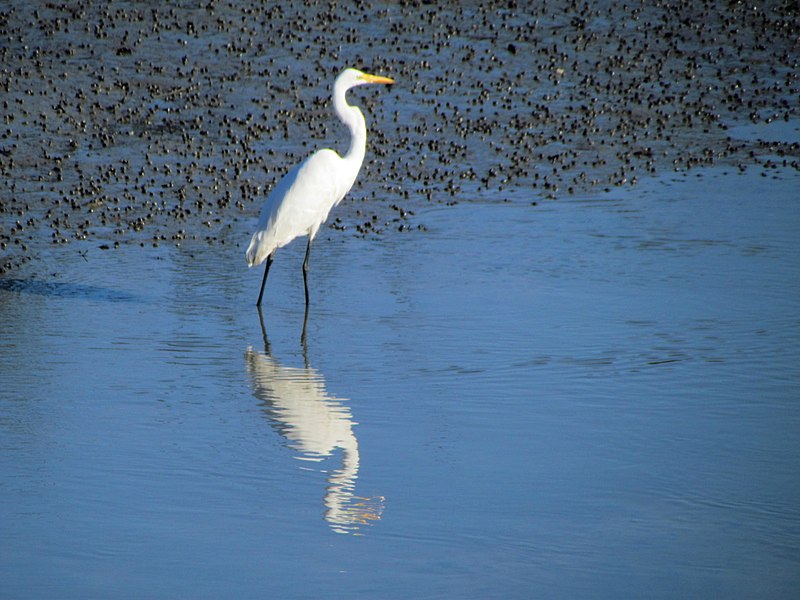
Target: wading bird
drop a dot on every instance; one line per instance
(300, 202)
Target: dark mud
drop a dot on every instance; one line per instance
(138, 123)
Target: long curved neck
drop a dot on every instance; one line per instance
(351, 116)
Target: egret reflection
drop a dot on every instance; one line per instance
(315, 424)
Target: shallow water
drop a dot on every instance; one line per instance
(584, 398)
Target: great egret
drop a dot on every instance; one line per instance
(300, 202)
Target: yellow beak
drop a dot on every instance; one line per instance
(376, 78)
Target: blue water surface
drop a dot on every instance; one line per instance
(590, 398)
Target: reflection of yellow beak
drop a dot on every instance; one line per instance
(376, 78)
(369, 509)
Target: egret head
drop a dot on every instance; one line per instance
(353, 77)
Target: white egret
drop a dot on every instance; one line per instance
(300, 202)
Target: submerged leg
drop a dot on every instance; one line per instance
(264, 281)
(303, 338)
(305, 269)
(263, 331)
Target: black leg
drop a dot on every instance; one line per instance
(263, 331)
(303, 338)
(305, 270)
(264, 281)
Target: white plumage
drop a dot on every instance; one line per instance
(301, 201)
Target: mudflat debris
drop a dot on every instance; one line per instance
(131, 123)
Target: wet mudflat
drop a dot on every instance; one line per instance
(154, 125)
(553, 342)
